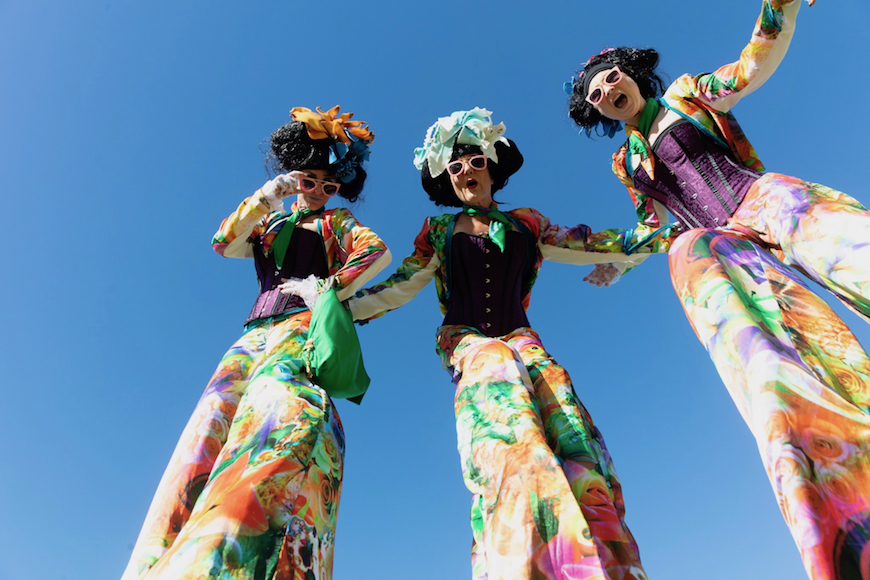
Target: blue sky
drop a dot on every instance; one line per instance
(128, 131)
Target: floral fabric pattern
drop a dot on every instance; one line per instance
(252, 488)
(795, 371)
(546, 500)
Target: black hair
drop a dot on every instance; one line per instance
(638, 63)
(292, 150)
(440, 189)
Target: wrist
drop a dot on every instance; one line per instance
(269, 196)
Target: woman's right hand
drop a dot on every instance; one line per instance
(283, 185)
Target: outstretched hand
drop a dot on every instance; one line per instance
(602, 275)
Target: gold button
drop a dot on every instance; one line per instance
(487, 294)
(487, 250)
(487, 265)
(487, 280)
(488, 310)
(488, 324)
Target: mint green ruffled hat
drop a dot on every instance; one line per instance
(472, 127)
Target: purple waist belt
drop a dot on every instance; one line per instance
(698, 180)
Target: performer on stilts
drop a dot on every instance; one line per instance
(795, 371)
(546, 500)
(252, 488)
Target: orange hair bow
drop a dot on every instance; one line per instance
(330, 124)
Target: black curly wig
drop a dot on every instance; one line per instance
(440, 189)
(638, 63)
(292, 149)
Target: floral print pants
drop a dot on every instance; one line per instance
(795, 371)
(546, 503)
(252, 488)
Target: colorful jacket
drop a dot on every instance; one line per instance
(575, 245)
(706, 100)
(354, 252)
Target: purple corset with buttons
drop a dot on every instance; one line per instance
(305, 256)
(699, 181)
(486, 284)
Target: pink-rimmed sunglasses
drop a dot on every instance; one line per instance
(477, 162)
(309, 184)
(613, 77)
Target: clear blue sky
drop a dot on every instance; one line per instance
(128, 130)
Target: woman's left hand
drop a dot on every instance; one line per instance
(306, 288)
(603, 275)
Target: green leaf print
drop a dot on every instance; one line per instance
(545, 517)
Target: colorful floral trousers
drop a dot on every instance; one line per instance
(252, 488)
(797, 374)
(546, 503)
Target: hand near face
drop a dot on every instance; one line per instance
(283, 185)
(602, 275)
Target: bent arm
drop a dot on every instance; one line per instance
(651, 214)
(231, 239)
(365, 253)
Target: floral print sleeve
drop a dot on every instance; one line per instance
(722, 88)
(231, 240)
(412, 275)
(580, 245)
(359, 253)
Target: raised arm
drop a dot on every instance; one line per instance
(231, 240)
(722, 88)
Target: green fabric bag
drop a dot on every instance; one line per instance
(333, 354)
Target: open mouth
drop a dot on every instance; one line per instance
(620, 101)
(471, 183)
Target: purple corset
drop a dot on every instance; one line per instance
(305, 256)
(698, 180)
(486, 284)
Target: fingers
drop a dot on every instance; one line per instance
(288, 286)
(593, 279)
(602, 275)
(286, 184)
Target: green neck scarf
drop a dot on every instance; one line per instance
(498, 223)
(282, 241)
(639, 144)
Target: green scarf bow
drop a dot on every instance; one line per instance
(498, 223)
(637, 145)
